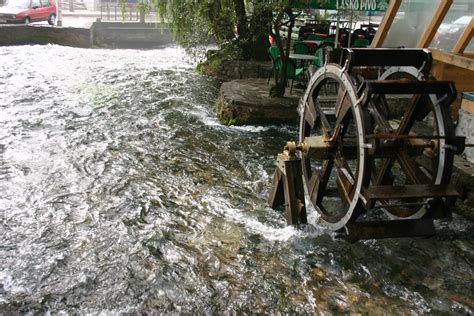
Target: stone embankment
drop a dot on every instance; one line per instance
(42, 34)
(244, 97)
(100, 34)
(247, 101)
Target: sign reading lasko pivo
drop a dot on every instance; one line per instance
(356, 5)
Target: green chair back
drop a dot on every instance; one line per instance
(292, 71)
(301, 48)
(319, 54)
(330, 39)
(314, 37)
(361, 42)
(274, 52)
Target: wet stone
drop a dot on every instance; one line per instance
(247, 101)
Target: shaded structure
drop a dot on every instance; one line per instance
(420, 24)
(368, 170)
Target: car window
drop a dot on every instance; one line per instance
(17, 4)
(45, 3)
(35, 3)
(463, 20)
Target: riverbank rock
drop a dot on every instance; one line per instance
(226, 69)
(463, 181)
(242, 102)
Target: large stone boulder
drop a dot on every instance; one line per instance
(247, 102)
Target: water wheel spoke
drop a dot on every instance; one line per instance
(307, 167)
(412, 169)
(400, 211)
(409, 116)
(345, 179)
(342, 109)
(325, 125)
(383, 174)
(380, 120)
(319, 181)
(310, 114)
(341, 97)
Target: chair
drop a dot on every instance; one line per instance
(351, 40)
(314, 37)
(360, 32)
(361, 42)
(301, 48)
(274, 53)
(320, 53)
(331, 39)
(292, 71)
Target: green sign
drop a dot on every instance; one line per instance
(355, 5)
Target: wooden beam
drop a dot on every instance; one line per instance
(466, 37)
(435, 23)
(453, 59)
(387, 21)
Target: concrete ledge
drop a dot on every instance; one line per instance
(42, 34)
(247, 101)
(101, 34)
(130, 35)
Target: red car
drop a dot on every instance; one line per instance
(26, 11)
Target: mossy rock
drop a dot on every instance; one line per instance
(247, 102)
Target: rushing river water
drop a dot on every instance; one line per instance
(121, 193)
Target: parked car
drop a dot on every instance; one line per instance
(449, 33)
(26, 11)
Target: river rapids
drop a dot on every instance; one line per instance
(121, 193)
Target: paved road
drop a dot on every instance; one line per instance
(86, 18)
(69, 21)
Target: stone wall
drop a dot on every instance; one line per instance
(42, 34)
(222, 67)
(246, 102)
(130, 35)
(237, 69)
(101, 34)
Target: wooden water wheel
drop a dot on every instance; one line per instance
(376, 146)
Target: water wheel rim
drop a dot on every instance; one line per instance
(446, 157)
(335, 72)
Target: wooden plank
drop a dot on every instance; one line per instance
(294, 193)
(435, 23)
(386, 23)
(276, 197)
(467, 106)
(465, 38)
(452, 67)
(453, 59)
(413, 191)
(415, 57)
(462, 77)
(410, 87)
(390, 229)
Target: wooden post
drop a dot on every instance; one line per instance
(59, 19)
(386, 23)
(435, 23)
(288, 190)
